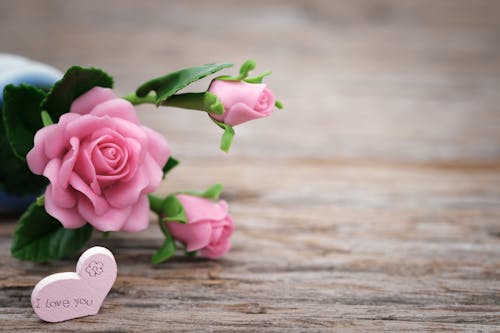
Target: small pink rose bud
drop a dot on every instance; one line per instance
(208, 227)
(242, 101)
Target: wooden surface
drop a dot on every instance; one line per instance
(372, 203)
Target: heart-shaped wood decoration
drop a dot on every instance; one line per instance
(64, 296)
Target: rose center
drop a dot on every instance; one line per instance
(112, 153)
(262, 103)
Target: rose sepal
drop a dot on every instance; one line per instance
(227, 137)
(167, 249)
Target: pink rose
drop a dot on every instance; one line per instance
(101, 163)
(242, 101)
(208, 228)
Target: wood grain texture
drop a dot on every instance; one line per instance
(371, 203)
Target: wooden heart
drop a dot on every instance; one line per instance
(69, 295)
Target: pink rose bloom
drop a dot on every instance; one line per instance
(101, 163)
(208, 228)
(242, 101)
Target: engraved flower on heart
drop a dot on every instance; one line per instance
(95, 268)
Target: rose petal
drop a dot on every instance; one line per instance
(240, 113)
(100, 206)
(68, 162)
(86, 125)
(62, 196)
(113, 219)
(56, 143)
(36, 157)
(154, 173)
(69, 217)
(124, 194)
(86, 102)
(130, 130)
(116, 108)
(139, 217)
(232, 92)
(265, 103)
(218, 250)
(194, 235)
(85, 169)
(157, 146)
(199, 209)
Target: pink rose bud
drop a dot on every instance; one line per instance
(242, 101)
(208, 228)
(101, 164)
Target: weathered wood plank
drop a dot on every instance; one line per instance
(387, 253)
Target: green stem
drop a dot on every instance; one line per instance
(155, 203)
(164, 229)
(202, 101)
(135, 100)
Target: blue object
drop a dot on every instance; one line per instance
(15, 69)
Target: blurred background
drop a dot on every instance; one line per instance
(408, 81)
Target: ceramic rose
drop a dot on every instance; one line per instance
(208, 229)
(242, 101)
(101, 164)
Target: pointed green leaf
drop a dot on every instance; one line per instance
(75, 82)
(46, 119)
(278, 104)
(191, 254)
(165, 251)
(171, 163)
(166, 86)
(21, 116)
(41, 238)
(258, 79)
(15, 176)
(227, 136)
(245, 69)
(172, 210)
(213, 192)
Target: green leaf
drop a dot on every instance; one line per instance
(75, 82)
(46, 119)
(39, 237)
(204, 101)
(21, 117)
(171, 163)
(191, 254)
(166, 86)
(165, 251)
(258, 79)
(213, 192)
(227, 136)
(172, 210)
(15, 176)
(278, 104)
